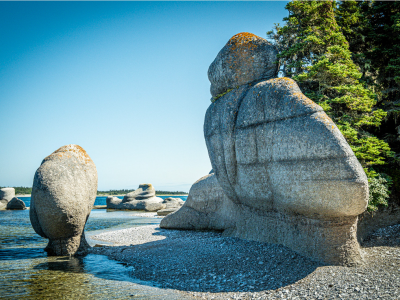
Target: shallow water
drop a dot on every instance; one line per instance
(100, 200)
(27, 273)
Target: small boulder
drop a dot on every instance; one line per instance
(173, 202)
(144, 198)
(6, 194)
(16, 203)
(112, 201)
(63, 194)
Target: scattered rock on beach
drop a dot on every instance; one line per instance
(16, 203)
(144, 198)
(63, 194)
(173, 202)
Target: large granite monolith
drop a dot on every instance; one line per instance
(63, 194)
(288, 174)
(144, 198)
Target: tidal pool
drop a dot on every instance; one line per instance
(26, 272)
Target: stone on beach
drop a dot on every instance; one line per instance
(171, 205)
(144, 198)
(16, 203)
(286, 172)
(6, 194)
(112, 200)
(173, 202)
(63, 194)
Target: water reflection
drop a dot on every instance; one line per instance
(27, 273)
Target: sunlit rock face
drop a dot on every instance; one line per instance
(6, 195)
(244, 59)
(284, 165)
(63, 194)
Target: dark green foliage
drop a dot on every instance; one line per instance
(314, 51)
(19, 190)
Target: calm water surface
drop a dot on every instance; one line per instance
(27, 273)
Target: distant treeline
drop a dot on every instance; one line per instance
(21, 190)
(28, 191)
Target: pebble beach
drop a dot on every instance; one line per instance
(208, 265)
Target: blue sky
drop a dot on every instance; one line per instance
(127, 81)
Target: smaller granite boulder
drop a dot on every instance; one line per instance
(6, 194)
(171, 205)
(16, 203)
(112, 201)
(173, 202)
(144, 198)
(145, 191)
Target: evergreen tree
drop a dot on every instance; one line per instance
(372, 28)
(315, 53)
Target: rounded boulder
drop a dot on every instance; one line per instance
(63, 194)
(246, 58)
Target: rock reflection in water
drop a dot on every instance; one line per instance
(27, 273)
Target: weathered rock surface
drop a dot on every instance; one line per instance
(246, 58)
(112, 201)
(63, 194)
(207, 207)
(287, 173)
(171, 205)
(6, 194)
(144, 198)
(173, 202)
(16, 203)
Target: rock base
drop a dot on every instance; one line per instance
(76, 245)
(331, 241)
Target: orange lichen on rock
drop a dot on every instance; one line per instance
(243, 38)
(75, 150)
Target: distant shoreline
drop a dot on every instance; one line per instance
(105, 195)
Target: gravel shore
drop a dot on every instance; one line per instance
(206, 265)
